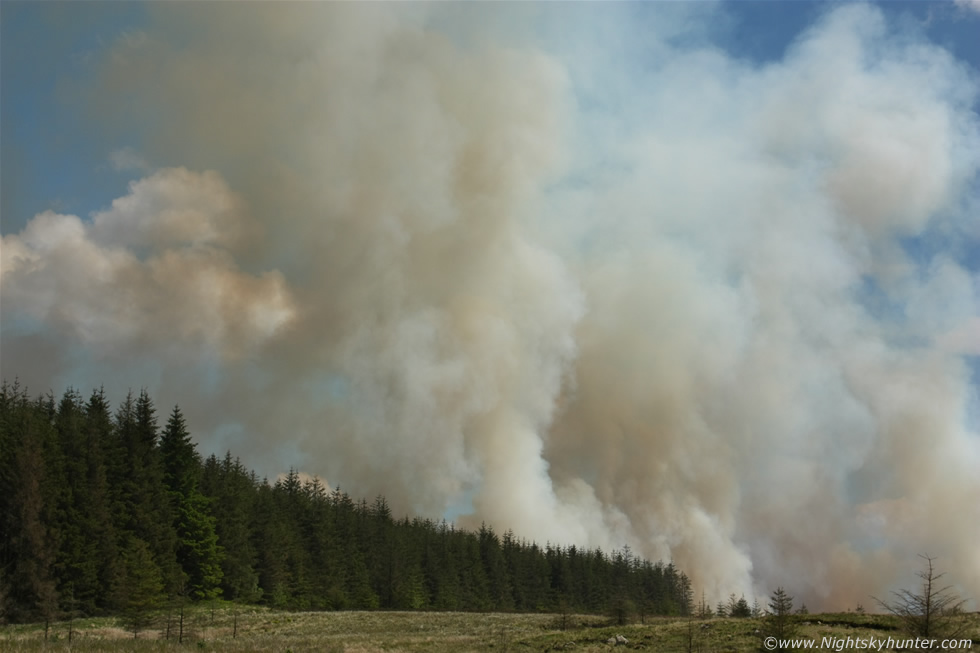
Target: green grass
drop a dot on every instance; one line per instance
(362, 632)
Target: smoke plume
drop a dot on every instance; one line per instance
(598, 286)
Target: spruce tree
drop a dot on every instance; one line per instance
(31, 593)
(742, 608)
(181, 462)
(139, 591)
(87, 559)
(156, 525)
(382, 559)
(495, 567)
(231, 492)
(99, 443)
(198, 551)
(269, 542)
(141, 505)
(779, 623)
(78, 554)
(326, 561)
(933, 611)
(292, 506)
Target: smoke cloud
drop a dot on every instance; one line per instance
(969, 4)
(640, 293)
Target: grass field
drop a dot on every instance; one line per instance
(253, 629)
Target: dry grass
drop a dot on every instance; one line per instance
(370, 632)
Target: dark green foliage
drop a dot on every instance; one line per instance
(88, 555)
(139, 590)
(232, 493)
(779, 623)
(28, 551)
(78, 556)
(141, 505)
(180, 460)
(198, 552)
(105, 513)
(742, 609)
(738, 607)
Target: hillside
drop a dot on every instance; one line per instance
(234, 629)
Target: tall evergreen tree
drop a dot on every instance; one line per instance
(231, 493)
(326, 561)
(78, 553)
(156, 524)
(87, 553)
(779, 622)
(269, 542)
(28, 545)
(495, 568)
(181, 462)
(139, 591)
(198, 551)
(141, 506)
(100, 442)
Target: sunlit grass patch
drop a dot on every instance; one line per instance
(231, 628)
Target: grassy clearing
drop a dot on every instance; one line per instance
(363, 632)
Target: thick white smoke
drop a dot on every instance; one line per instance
(607, 293)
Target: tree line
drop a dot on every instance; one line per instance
(105, 512)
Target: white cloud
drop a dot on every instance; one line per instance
(969, 4)
(962, 339)
(147, 273)
(171, 207)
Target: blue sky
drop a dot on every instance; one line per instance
(51, 155)
(54, 159)
(600, 273)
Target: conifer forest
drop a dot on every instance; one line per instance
(112, 510)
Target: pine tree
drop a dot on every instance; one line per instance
(933, 611)
(474, 585)
(198, 551)
(87, 560)
(156, 526)
(31, 589)
(181, 462)
(99, 443)
(742, 609)
(269, 542)
(141, 503)
(440, 564)
(78, 554)
(292, 505)
(779, 623)
(382, 560)
(326, 562)
(231, 492)
(495, 567)
(139, 591)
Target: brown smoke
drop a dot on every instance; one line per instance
(605, 304)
